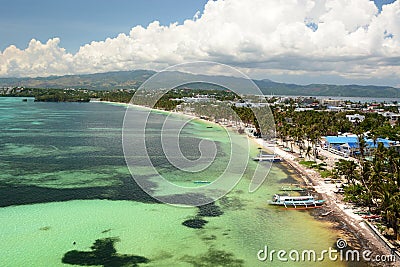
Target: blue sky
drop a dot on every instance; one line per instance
(78, 22)
(380, 3)
(350, 41)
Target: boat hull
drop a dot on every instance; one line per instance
(314, 204)
(271, 159)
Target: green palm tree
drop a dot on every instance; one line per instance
(308, 152)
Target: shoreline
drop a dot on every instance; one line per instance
(343, 218)
(351, 226)
(177, 113)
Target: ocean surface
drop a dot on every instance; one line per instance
(64, 184)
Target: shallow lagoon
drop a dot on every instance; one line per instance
(64, 162)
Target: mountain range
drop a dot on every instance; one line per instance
(133, 79)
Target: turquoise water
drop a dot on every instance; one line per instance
(64, 180)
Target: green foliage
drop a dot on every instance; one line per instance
(375, 184)
(58, 97)
(166, 104)
(348, 170)
(308, 164)
(245, 114)
(74, 95)
(114, 96)
(371, 121)
(326, 173)
(352, 192)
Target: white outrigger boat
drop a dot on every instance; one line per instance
(296, 201)
(267, 157)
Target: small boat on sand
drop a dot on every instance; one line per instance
(295, 201)
(326, 213)
(267, 157)
(372, 216)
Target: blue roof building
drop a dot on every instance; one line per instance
(349, 145)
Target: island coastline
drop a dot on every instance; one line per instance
(350, 226)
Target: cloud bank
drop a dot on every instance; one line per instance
(346, 38)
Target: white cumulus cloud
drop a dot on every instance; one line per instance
(347, 38)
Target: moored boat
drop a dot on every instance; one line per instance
(295, 201)
(267, 157)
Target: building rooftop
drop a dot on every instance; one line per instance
(352, 141)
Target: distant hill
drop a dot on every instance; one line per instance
(133, 79)
(97, 81)
(270, 87)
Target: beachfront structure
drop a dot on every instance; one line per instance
(349, 145)
(198, 99)
(332, 102)
(250, 105)
(335, 109)
(303, 109)
(392, 117)
(356, 118)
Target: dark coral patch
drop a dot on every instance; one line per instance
(103, 253)
(209, 210)
(195, 223)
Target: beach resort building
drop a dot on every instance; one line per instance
(348, 145)
(392, 117)
(196, 99)
(303, 109)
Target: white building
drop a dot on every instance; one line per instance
(242, 105)
(393, 117)
(197, 99)
(303, 109)
(355, 118)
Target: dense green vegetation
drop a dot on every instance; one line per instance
(375, 183)
(121, 96)
(60, 97)
(73, 95)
